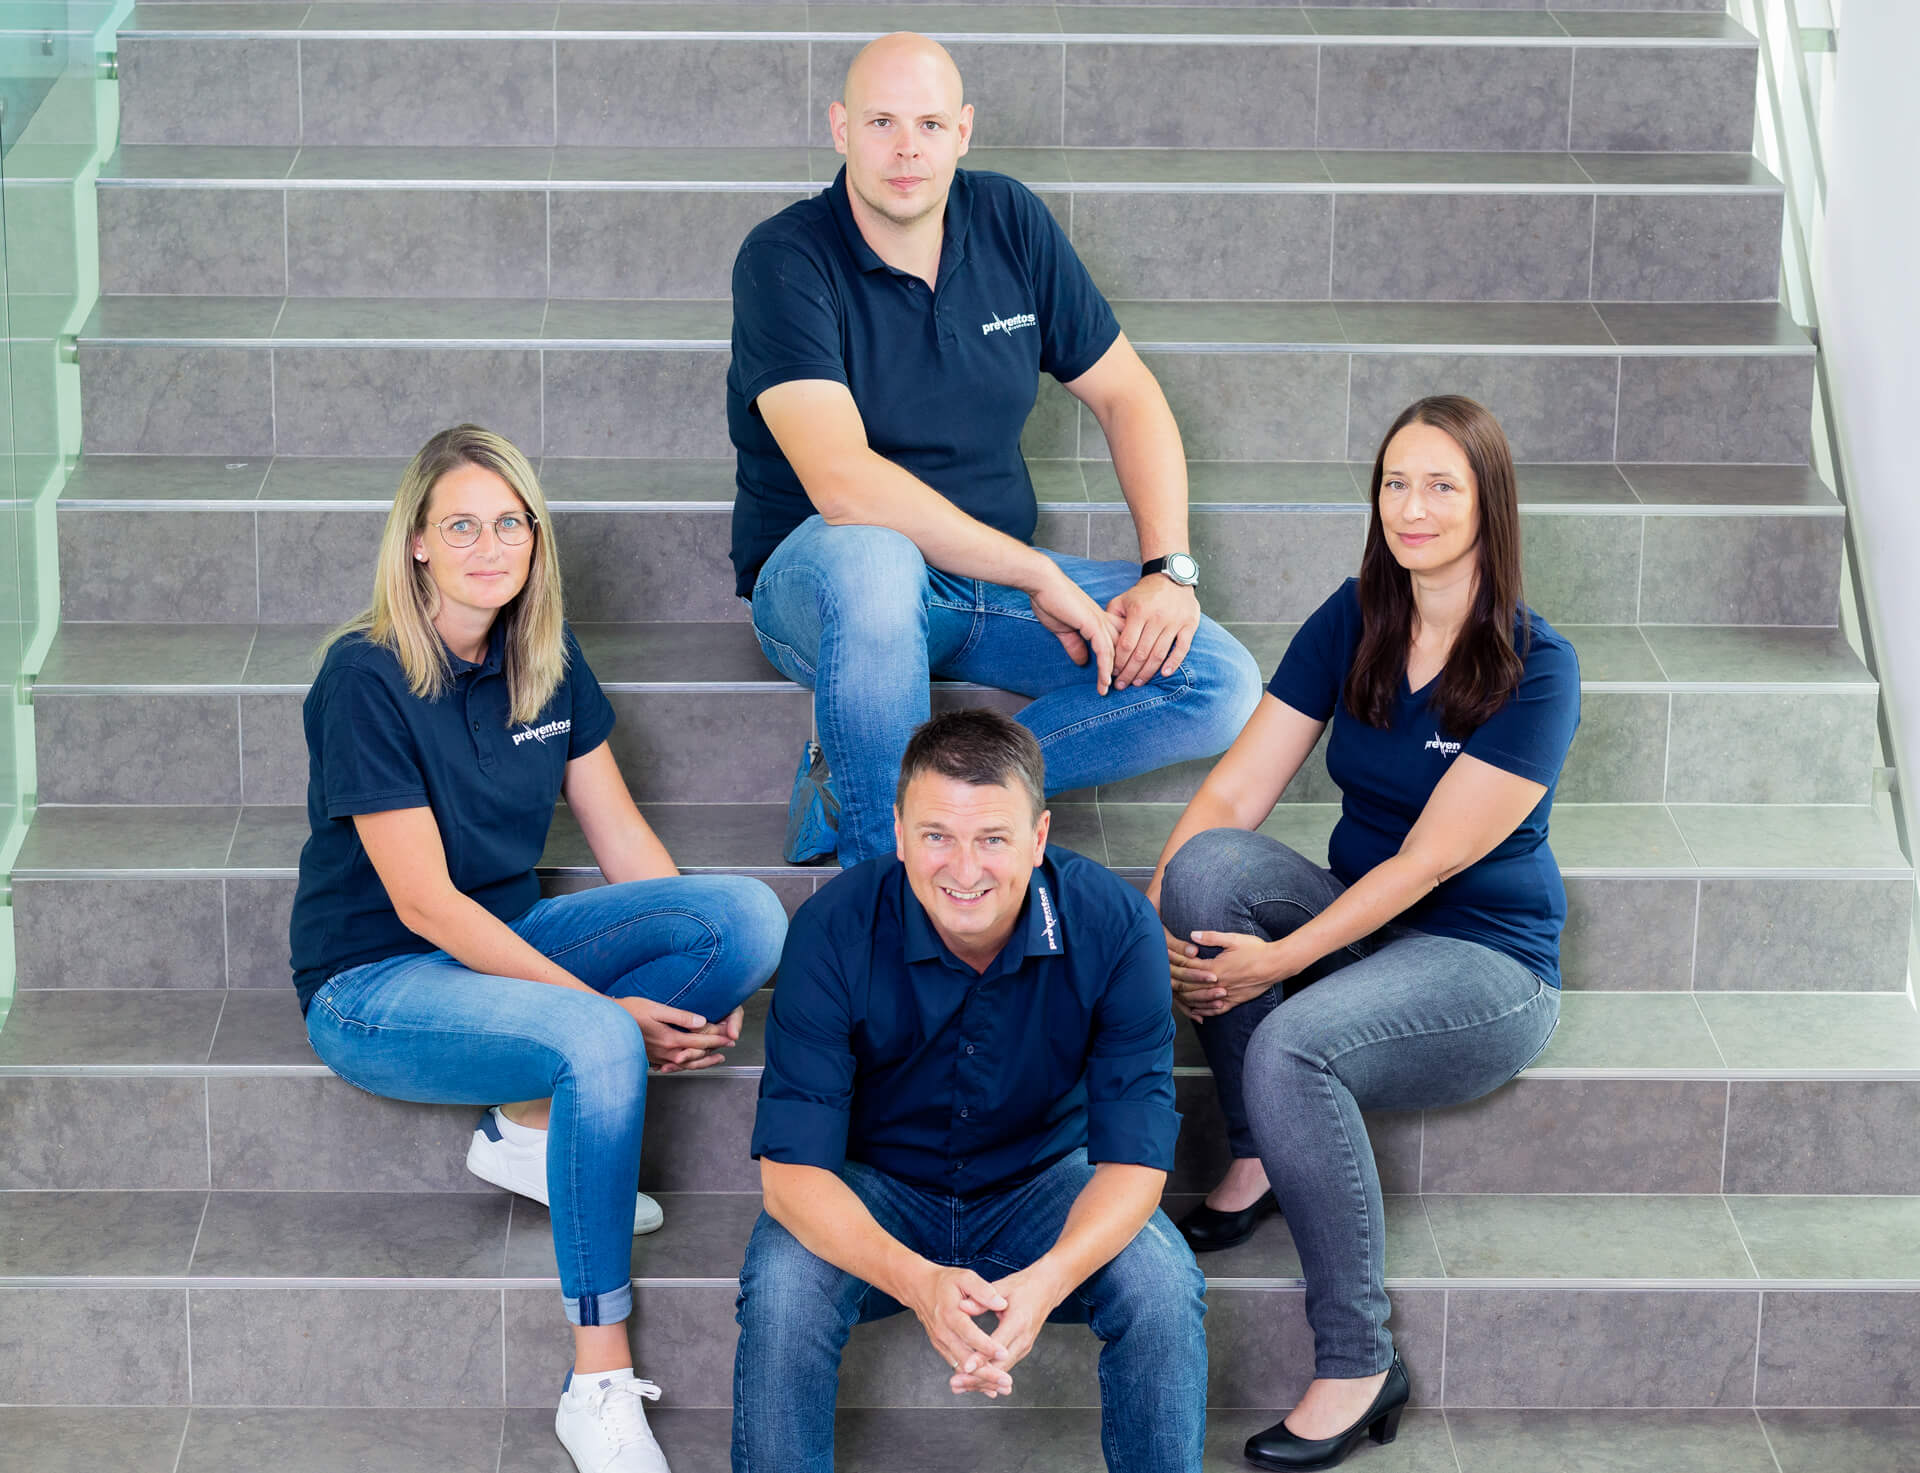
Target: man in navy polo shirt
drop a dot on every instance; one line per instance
(959, 1031)
(888, 337)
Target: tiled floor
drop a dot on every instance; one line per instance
(141, 1440)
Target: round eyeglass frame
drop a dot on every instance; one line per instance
(533, 525)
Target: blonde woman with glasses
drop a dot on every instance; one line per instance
(443, 725)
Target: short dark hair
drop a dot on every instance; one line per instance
(978, 746)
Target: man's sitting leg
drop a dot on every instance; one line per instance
(843, 611)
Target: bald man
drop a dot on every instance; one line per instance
(888, 337)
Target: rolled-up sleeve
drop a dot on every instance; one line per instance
(806, 1087)
(1130, 1113)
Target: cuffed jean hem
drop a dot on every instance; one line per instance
(609, 1308)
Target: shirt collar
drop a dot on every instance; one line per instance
(959, 219)
(1038, 932)
(490, 663)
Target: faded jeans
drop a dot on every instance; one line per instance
(1399, 1020)
(855, 614)
(796, 1312)
(423, 1027)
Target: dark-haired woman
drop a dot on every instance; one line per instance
(1421, 967)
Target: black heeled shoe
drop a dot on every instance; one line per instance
(1279, 1448)
(1208, 1230)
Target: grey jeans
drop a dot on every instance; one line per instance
(1397, 1021)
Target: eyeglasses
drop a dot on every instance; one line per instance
(463, 531)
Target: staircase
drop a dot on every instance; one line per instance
(1687, 1237)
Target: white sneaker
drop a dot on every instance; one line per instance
(523, 1169)
(604, 1429)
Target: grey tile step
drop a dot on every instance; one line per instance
(1231, 19)
(185, 539)
(1310, 80)
(1730, 1337)
(600, 222)
(1564, 1241)
(247, 376)
(213, 713)
(1822, 1097)
(1660, 899)
(951, 1440)
(243, 1033)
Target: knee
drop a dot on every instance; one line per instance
(1225, 673)
(786, 1289)
(1203, 878)
(753, 928)
(872, 579)
(1153, 1291)
(606, 1060)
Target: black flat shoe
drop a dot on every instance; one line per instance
(1207, 1230)
(1279, 1448)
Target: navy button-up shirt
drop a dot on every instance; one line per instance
(944, 378)
(373, 745)
(886, 1049)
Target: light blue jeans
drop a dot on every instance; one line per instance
(796, 1311)
(855, 614)
(422, 1027)
(1400, 1020)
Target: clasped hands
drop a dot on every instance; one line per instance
(1141, 633)
(1207, 987)
(679, 1042)
(948, 1301)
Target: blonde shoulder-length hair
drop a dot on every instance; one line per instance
(400, 618)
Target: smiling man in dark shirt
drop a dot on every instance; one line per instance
(967, 1111)
(888, 340)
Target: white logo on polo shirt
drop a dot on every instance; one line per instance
(1007, 324)
(1047, 916)
(541, 733)
(1439, 744)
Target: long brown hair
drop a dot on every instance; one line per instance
(1483, 668)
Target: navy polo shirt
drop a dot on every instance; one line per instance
(944, 379)
(885, 1048)
(1512, 899)
(372, 746)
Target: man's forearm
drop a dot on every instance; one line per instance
(870, 490)
(833, 1224)
(1152, 466)
(1110, 1210)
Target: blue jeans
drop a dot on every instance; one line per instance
(855, 614)
(1397, 1021)
(422, 1027)
(796, 1311)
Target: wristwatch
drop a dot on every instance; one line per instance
(1178, 566)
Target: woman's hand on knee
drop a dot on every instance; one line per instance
(679, 1041)
(1241, 969)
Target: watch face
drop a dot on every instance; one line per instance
(1183, 568)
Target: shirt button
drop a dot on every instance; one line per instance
(476, 726)
(964, 1112)
(969, 1048)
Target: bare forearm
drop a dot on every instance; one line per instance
(869, 490)
(1110, 1210)
(833, 1224)
(638, 854)
(1152, 466)
(476, 938)
(1383, 892)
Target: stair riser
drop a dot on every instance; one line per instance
(1319, 404)
(492, 1346)
(1536, 1135)
(490, 242)
(276, 566)
(1789, 935)
(639, 93)
(739, 746)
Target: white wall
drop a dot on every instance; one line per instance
(1869, 292)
